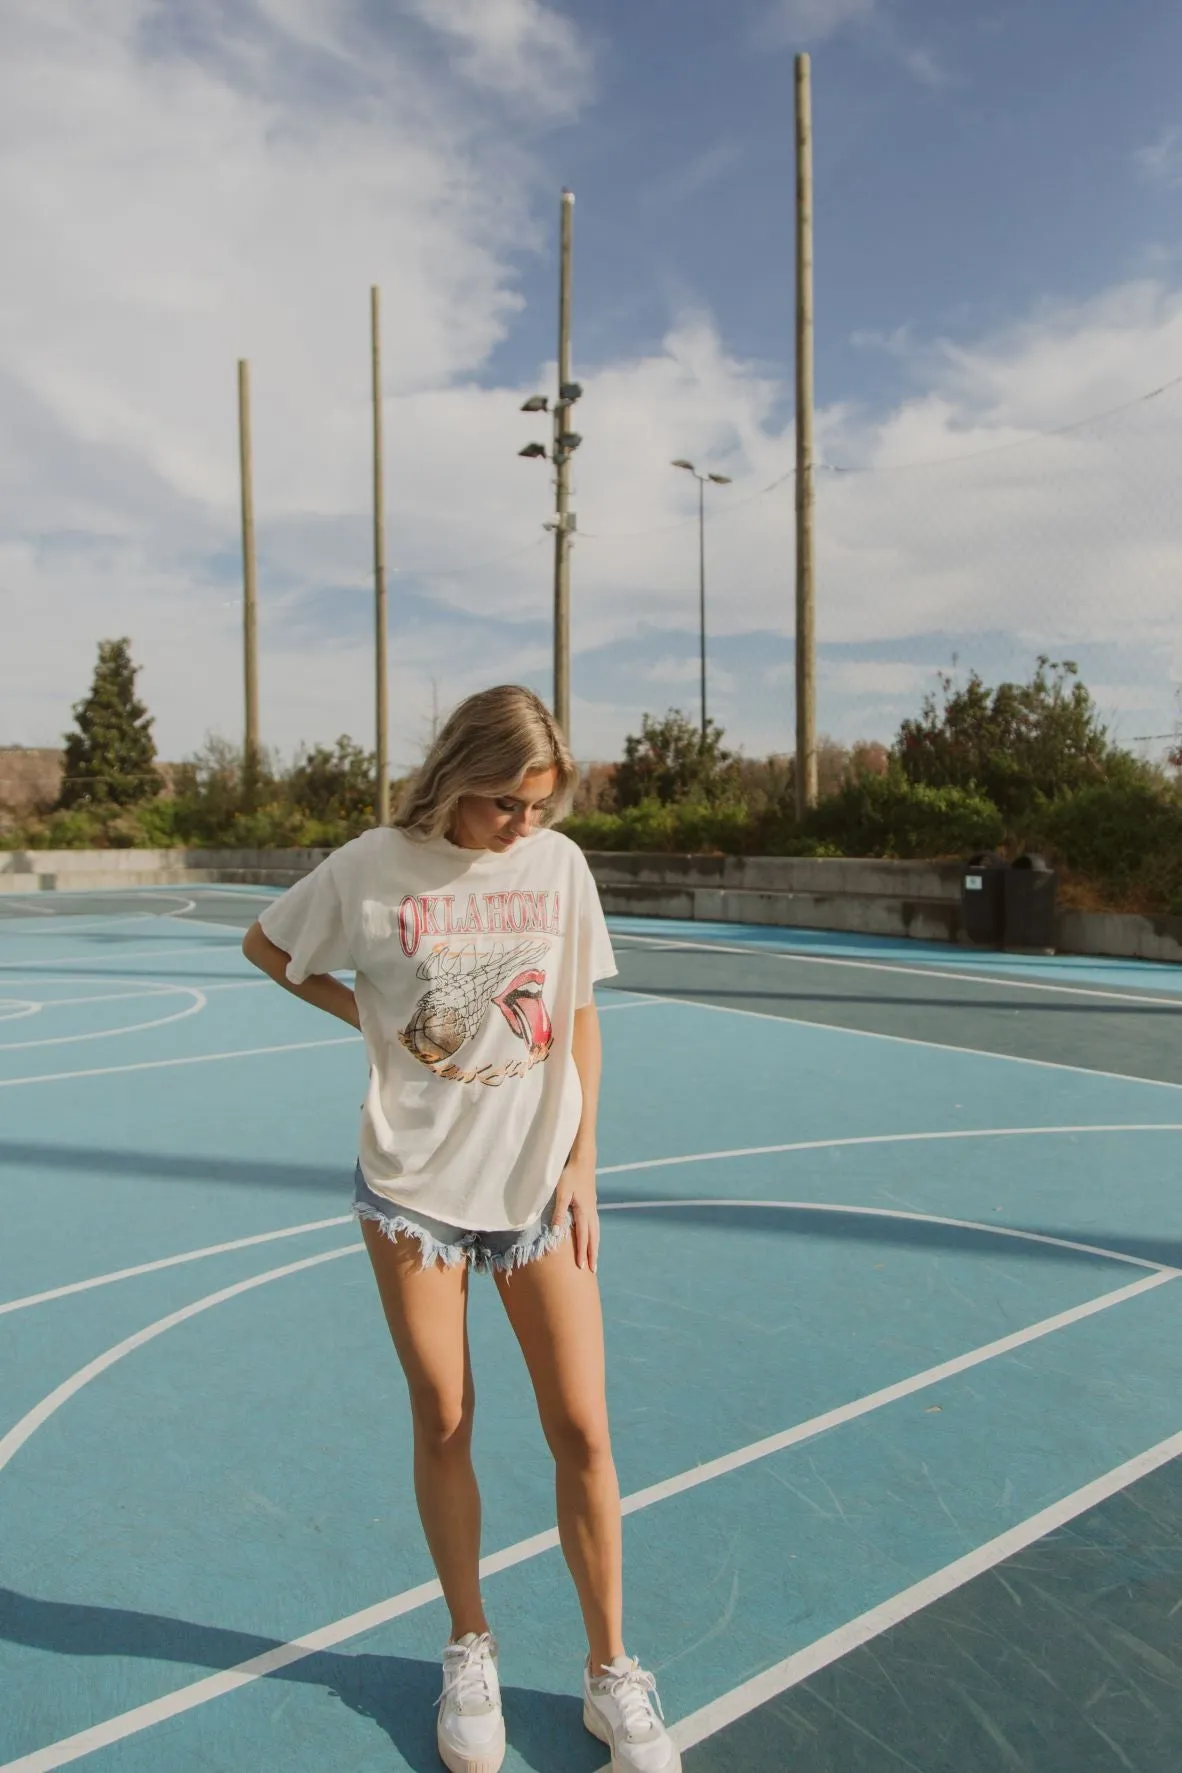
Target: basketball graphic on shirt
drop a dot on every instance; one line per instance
(463, 986)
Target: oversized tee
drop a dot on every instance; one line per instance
(470, 965)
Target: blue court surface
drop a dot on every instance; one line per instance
(890, 1265)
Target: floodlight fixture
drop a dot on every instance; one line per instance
(569, 441)
(682, 463)
(720, 479)
(569, 392)
(533, 449)
(535, 403)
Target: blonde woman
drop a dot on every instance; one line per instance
(476, 937)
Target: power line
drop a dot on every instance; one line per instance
(1018, 442)
(895, 467)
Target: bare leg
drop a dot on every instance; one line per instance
(554, 1309)
(426, 1309)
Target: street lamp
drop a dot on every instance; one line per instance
(719, 480)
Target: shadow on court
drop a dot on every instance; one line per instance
(913, 1234)
(397, 1693)
(1066, 1658)
(844, 1227)
(179, 1167)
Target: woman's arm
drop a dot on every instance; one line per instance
(576, 1185)
(321, 989)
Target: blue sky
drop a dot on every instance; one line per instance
(998, 193)
(1021, 120)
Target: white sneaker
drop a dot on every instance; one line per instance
(471, 1730)
(621, 1708)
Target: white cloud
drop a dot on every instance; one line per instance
(926, 66)
(182, 204)
(522, 49)
(697, 174)
(1161, 161)
(810, 21)
(799, 24)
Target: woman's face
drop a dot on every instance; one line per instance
(483, 822)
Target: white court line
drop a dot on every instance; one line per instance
(50, 1404)
(794, 1669)
(909, 1040)
(169, 1705)
(88, 923)
(656, 1163)
(295, 1046)
(120, 1274)
(61, 1040)
(637, 1000)
(77, 962)
(688, 1003)
(53, 1003)
(812, 1206)
(147, 989)
(133, 894)
(26, 1006)
(890, 966)
(9, 1083)
(701, 1157)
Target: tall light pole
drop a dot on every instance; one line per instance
(564, 444)
(381, 705)
(806, 666)
(250, 609)
(719, 480)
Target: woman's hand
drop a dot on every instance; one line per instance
(576, 1192)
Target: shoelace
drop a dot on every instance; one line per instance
(635, 1692)
(465, 1675)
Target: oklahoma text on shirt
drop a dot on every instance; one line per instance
(513, 913)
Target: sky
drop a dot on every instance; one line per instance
(998, 296)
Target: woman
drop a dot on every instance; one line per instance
(476, 937)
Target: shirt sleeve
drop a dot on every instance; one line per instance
(595, 959)
(307, 922)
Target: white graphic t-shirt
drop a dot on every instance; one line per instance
(470, 965)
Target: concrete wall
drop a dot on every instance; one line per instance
(874, 898)
(820, 875)
(25, 871)
(31, 778)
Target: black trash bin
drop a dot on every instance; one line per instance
(1030, 889)
(982, 899)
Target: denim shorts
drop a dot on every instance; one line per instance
(491, 1252)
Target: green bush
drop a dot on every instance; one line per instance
(890, 816)
(681, 828)
(1124, 834)
(1015, 744)
(668, 762)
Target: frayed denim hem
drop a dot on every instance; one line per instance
(395, 1226)
(518, 1255)
(470, 1248)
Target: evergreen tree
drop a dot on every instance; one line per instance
(111, 756)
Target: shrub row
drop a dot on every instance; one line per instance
(1124, 837)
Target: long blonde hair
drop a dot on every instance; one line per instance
(486, 746)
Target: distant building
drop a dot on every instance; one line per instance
(31, 778)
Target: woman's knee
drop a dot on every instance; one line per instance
(579, 1440)
(442, 1420)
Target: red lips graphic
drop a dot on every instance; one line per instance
(521, 1005)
